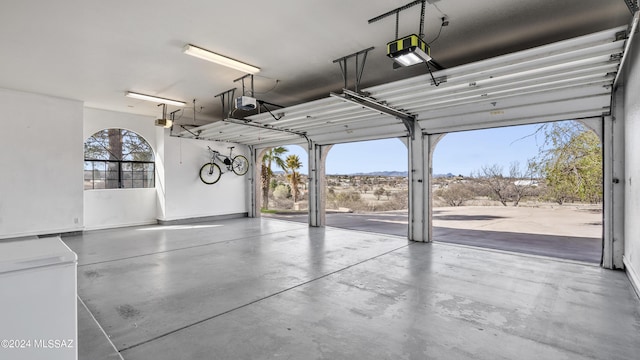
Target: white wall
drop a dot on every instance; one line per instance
(96, 120)
(632, 163)
(41, 156)
(186, 196)
(179, 193)
(110, 208)
(105, 208)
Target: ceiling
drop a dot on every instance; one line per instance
(95, 51)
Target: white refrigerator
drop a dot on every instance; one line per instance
(38, 307)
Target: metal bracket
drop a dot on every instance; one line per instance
(627, 45)
(632, 5)
(264, 105)
(263, 126)
(172, 116)
(195, 135)
(397, 10)
(441, 79)
(227, 101)
(359, 66)
(372, 104)
(164, 110)
(242, 78)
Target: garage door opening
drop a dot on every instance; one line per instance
(284, 181)
(534, 189)
(366, 186)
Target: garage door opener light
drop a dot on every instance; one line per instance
(409, 50)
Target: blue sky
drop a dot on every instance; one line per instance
(465, 152)
(457, 153)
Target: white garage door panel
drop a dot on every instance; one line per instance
(585, 47)
(301, 111)
(360, 123)
(380, 132)
(511, 122)
(494, 103)
(426, 100)
(565, 80)
(596, 103)
(236, 133)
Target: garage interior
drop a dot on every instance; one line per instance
(188, 270)
(267, 289)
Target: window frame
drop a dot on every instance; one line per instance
(118, 173)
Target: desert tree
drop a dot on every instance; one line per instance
(493, 178)
(455, 194)
(271, 156)
(570, 161)
(293, 164)
(521, 181)
(379, 192)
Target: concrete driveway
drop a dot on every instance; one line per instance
(567, 232)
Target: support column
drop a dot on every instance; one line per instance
(253, 205)
(419, 204)
(317, 157)
(613, 189)
(256, 202)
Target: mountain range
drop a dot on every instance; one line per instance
(382, 173)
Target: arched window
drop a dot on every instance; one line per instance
(118, 158)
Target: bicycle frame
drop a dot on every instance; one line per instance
(226, 160)
(210, 172)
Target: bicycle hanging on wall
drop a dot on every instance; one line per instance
(210, 172)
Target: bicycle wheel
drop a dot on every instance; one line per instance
(210, 173)
(240, 165)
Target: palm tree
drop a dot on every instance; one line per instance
(293, 163)
(273, 155)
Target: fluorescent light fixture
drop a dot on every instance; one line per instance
(219, 59)
(154, 99)
(409, 50)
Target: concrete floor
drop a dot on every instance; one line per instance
(270, 289)
(559, 234)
